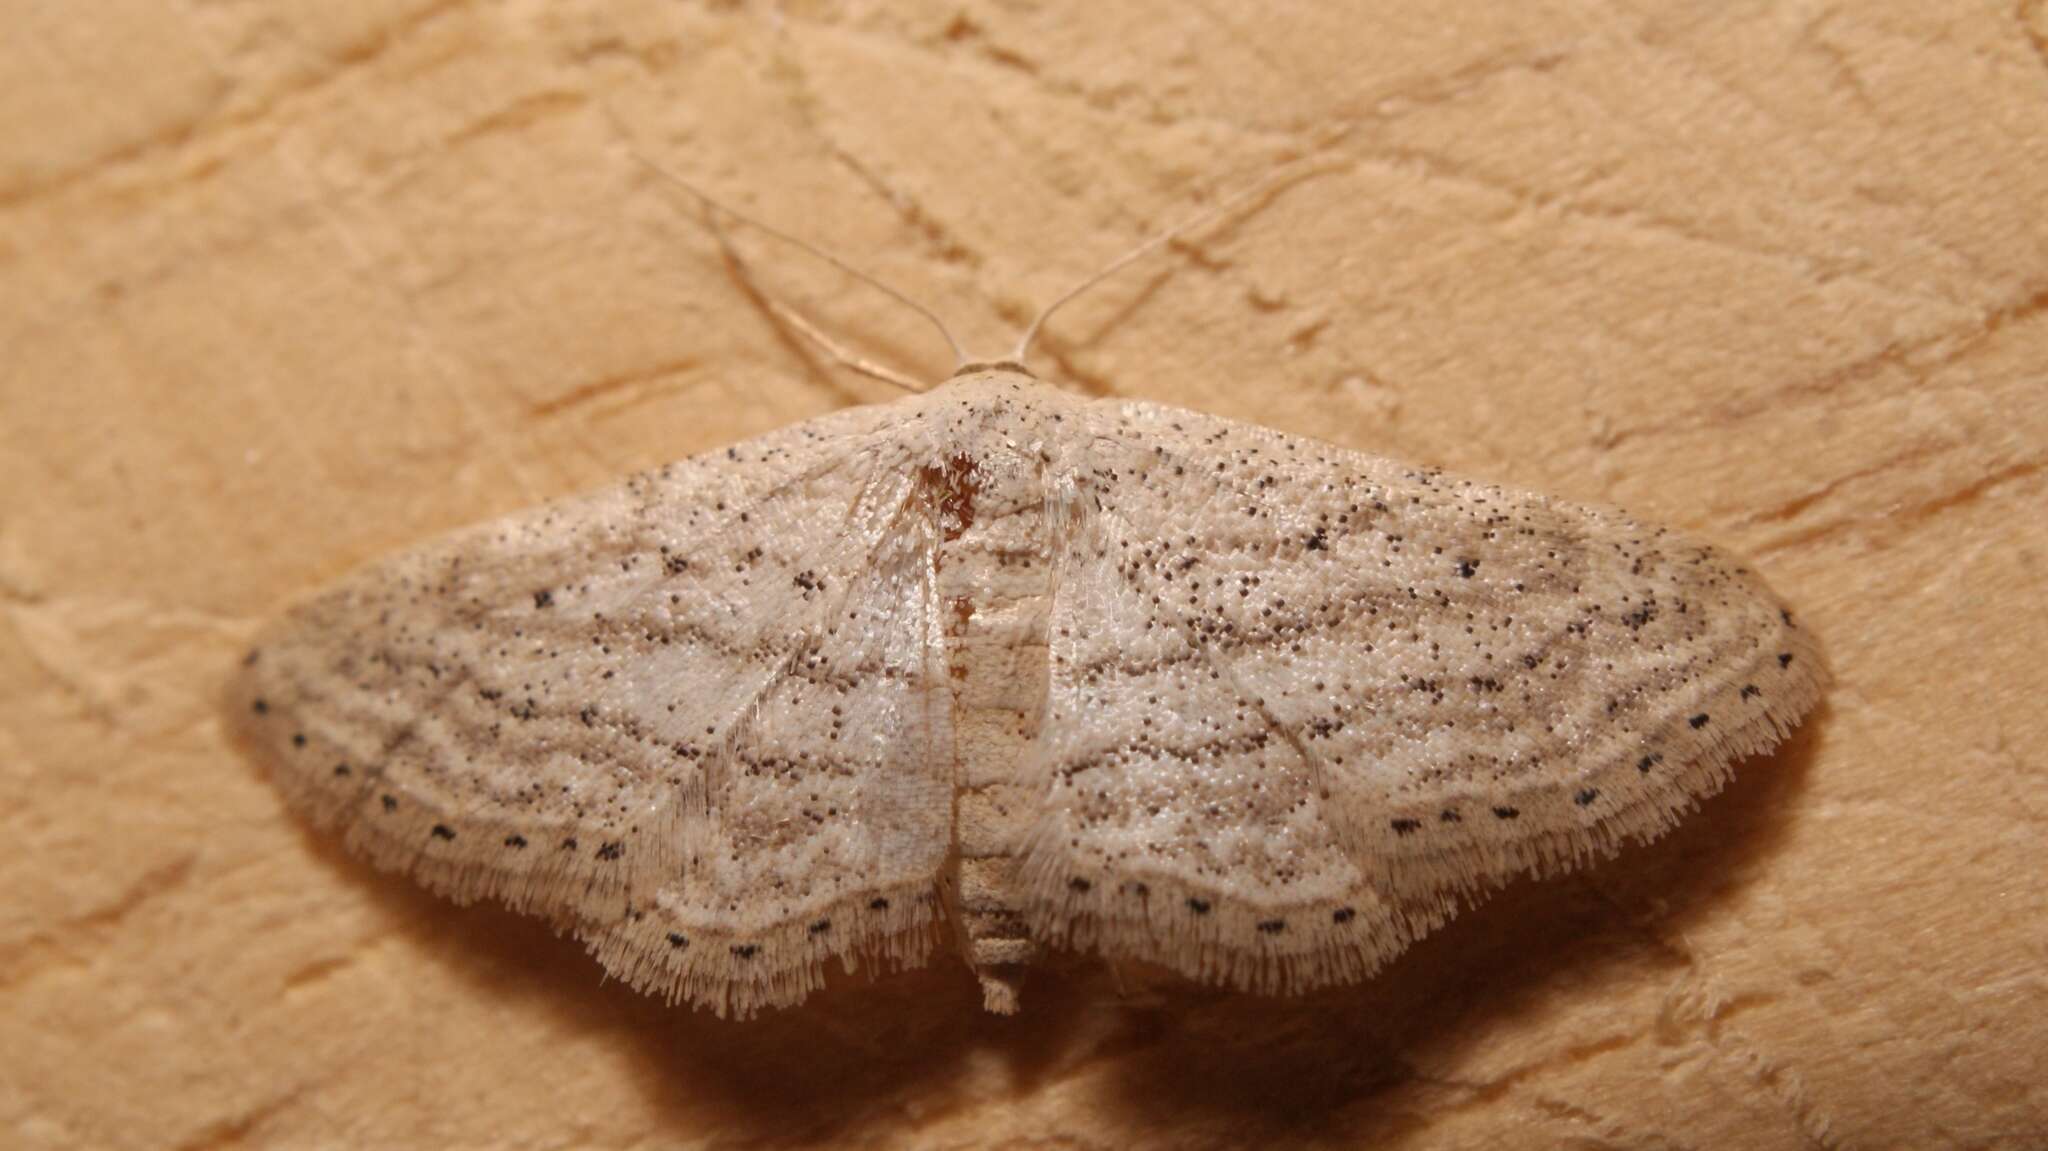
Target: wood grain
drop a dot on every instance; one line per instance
(283, 287)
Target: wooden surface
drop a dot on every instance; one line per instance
(286, 285)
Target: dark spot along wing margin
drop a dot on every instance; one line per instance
(1432, 685)
(517, 711)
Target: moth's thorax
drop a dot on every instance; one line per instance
(993, 398)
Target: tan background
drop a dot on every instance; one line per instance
(285, 285)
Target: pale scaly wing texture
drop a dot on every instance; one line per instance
(685, 717)
(1304, 700)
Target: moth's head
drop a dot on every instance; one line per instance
(977, 367)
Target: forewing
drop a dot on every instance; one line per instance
(1340, 693)
(682, 715)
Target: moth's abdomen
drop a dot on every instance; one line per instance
(994, 590)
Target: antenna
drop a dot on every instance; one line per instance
(712, 204)
(1286, 174)
(1316, 162)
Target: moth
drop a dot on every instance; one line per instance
(1002, 668)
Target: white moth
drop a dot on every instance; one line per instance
(1008, 666)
